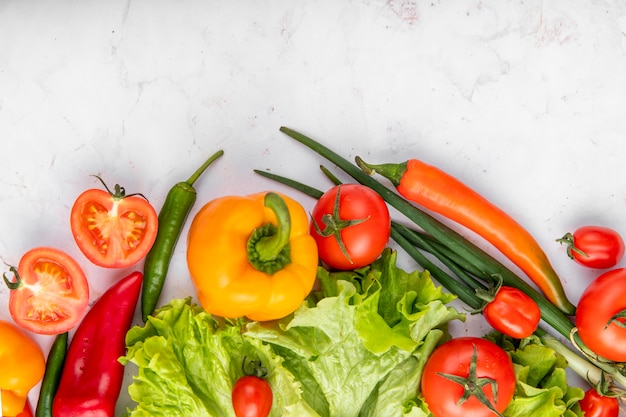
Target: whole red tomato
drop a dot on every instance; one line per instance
(252, 397)
(512, 313)
(599, 327)
(461, 363)
(594, 246)
(49, 293)
(351, 225)
(113, 230)
(595, 404)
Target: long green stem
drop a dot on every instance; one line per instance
(457, 245)
(418, 239)
(445, 251)
(465, 294)
(444, 234)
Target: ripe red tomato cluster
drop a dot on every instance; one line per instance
(600, 314)
(49, 290)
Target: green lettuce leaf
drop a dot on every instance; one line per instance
(355, 348)
(187, 363)
(542, 388)
(349, 343)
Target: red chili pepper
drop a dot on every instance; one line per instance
(92, 376)
(438, 191)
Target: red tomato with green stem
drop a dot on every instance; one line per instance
(49, 291)
(595, 404)
(351, 226)
(468, 376)
(252, 394)
(601, 315)
(510, 311)
(112, 229)
(594, 246)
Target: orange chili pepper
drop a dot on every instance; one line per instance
(435, 190)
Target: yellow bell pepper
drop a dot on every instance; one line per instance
(22, 365)
(252, 256)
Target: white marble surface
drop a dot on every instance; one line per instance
(523, 100)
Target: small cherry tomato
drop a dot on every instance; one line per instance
(351, 226)
(252, 397)
(49, 294)
(512, 313)
(595, 404)
(594, 246)
(600, 315)
(113, 230)
(468, 365)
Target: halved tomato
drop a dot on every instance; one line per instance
(49, 292)
(113, 230)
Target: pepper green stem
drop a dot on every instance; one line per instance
(203, 167)
(393, 172)
(268, 246)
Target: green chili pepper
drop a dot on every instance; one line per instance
(172, 217)
(52, 375)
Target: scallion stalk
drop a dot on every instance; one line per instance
(442, 233)
(585, 368)
(459, 255)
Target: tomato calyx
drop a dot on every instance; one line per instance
(17, 283)
(618, 319)
(568, 239)
(606, 388)
(473, 385)
(253, 368)
(334, 224)
(488, 295)
(268, 246)
(120, 192)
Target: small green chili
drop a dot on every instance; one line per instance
(172, 217)
(52, 375)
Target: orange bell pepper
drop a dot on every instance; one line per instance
(252, 256)
(22, 365)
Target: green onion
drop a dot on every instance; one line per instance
(469, 263)
(442, 233)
